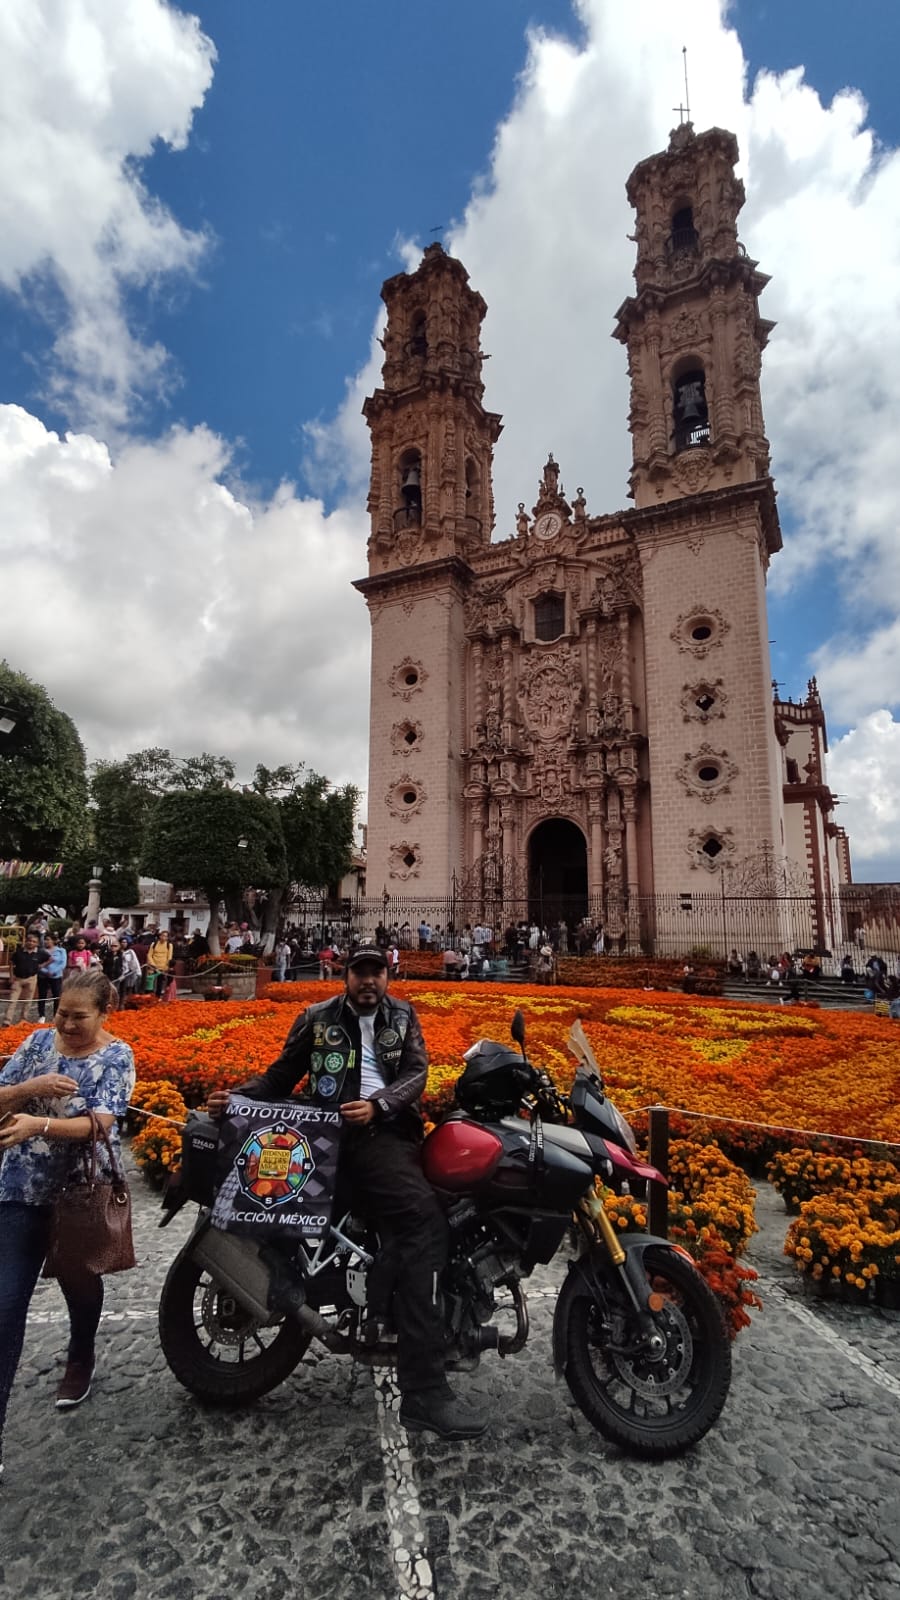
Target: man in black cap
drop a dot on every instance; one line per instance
(363, 1051)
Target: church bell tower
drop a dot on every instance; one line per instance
(705, 522)
(693, 330)
(432, 513)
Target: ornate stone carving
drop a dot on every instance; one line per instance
(701, 702)
(448, 453)
(710, 848)
(407, 544)
(407, 678)
(686, 329)
(396, 798)
(707, 773)
(617, 582)
(401, 743)
(692, 470)
(548, 695)
(404, 860)
(700, 630)
(487, 611)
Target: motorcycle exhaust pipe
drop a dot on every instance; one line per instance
(264, 1288)
(512, 1343)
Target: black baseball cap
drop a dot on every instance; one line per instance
(368, 952)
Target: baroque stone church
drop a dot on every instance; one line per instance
(580, 715)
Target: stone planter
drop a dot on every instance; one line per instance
(241, 984)
(263, 979)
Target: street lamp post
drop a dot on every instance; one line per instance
(8, 720)
(94, 886)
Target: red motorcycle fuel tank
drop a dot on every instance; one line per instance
(460, 1154)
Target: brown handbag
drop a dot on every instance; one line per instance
(91, 1225)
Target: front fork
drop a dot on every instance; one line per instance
(628, 1264)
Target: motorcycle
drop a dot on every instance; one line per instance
(637, 1333)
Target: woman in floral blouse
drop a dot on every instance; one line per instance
(54, 1077)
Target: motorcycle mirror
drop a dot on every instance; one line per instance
(518, 1029)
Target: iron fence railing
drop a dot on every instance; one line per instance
(667, 925)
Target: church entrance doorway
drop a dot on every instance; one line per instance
(557, 873)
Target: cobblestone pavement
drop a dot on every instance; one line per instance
(316, 1491)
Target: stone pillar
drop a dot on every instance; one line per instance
(478, 677)
(509, 830)
(625, 659)
(595, 849)
(506, 648)
(723, 422)
(631, 852)
(658, 429)
(93, 905)
(591, 676)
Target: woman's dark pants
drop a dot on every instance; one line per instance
(24, 1235)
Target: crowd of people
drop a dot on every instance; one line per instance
(788, 971)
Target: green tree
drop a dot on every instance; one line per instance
(218, 839)
(126, 793)
(317, 823)
(43, 782)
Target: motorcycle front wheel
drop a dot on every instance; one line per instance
(215, 1347)
(651, 1407)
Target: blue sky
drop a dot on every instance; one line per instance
(259, 188)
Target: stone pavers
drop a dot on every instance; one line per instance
(317, 1492)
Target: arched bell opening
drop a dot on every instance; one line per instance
(557, 873)
(409, 510)
(690, 412)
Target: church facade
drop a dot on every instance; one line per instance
(581, 714)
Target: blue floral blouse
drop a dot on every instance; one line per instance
(33, 1173)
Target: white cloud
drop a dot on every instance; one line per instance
(159, 606)
(862, 675)
(864, 768)
(87, 88)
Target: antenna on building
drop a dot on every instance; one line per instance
(684, 111)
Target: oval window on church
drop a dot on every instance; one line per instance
(708, 773)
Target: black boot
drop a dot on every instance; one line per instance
(439, 1411)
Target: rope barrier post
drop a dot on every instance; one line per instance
(658, 1209)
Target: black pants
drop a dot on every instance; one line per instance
(24, 1233)
(51, 986)
(389, 1186)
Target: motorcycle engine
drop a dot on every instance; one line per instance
(479, 1261)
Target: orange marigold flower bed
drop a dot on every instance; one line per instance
(823, 1072)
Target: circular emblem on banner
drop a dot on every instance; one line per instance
(326, 1086)
(334, 1035)
(274, 1164)
(388, 1036)
(333, 1062)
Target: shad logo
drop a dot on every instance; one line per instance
(274, 1164)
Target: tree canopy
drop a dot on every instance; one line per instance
(179, 819)
(43, 780)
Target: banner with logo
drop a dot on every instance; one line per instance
(276, 1168)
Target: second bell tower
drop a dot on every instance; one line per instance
(432, 512)
(693, 330)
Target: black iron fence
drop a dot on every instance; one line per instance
(698, 925)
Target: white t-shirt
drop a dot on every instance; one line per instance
(370, 1079)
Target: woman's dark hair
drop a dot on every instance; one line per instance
(94, 983)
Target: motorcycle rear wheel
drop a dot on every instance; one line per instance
(214, 1347)
(652, 1409)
